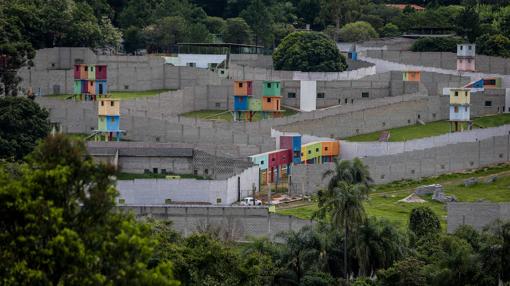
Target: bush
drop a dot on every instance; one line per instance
(390, 30)
(430, 44)
(424, 221)
(493, 45)
(308, 52)
(357, 31)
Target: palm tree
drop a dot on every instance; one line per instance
(380, 244)
(354, 172)
(343, 206)
(342, 201)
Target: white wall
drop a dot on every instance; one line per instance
(201, 60)
(156, 191)
(308, 95)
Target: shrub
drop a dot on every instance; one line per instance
(357, 31)
(390, 30)
(430, 44)
(493, 45)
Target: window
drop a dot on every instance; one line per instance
(112, 119)
(352, 101)
(112, 103)
(316, 149)
(433, 115)
(102, 103)
(86, 68)
(268, 85)
(346, 101)
(195, 172)
(291, 95)
(168, 201)
(272, 159)
(126, 87)
(240, 84)
(218, 200)
(488, 103)
(262, 162)
(122, 201)
(325, 148)
(217, 104)
(465, 108)
(320, 95)
(146, 171)
(309, 151)
(269, 99)
(455, 109)
(155, 170)
(91, 83)
(456, 93)
(206, 171)
(461, 48)
(469, 47)
(364, 94)
(100, 68)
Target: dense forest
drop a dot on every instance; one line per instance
(156, 25)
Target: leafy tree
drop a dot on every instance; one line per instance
(22, 123)
(375, 21)
(133, 39)
(390, 30)
(357, 31)
(216, 25)
(259, 18)
(423, 221)
(493, 45)
(58, 227)
(406, 272)
(430, 44)
(110, 35)
(236, 31)
(495, 250)
(309, 12)
(308, 52)
(453, 263)
(468, 23)
(281, 31)
(165, 32)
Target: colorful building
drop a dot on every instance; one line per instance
(273, 165)
(411, 76)
(353, 55)
(293, 143)
(460, 104)
(245, 106)
(466, 57)
(319, 152)
(90, 81)
(108, 120)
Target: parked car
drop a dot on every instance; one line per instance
(248, 201)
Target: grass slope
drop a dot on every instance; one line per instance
(430, 129)
(224, 115)
(383, 202)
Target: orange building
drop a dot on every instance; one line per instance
(271, 103)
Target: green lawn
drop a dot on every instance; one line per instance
(383, 203)
(121, 94)
(430, 129)
(224, 115)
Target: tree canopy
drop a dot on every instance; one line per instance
(308, 52)
(22, 123)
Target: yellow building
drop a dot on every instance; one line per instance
(460, 96)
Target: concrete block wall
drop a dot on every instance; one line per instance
(235, 223)
(485, 64)
(477, 215)
(414, 164)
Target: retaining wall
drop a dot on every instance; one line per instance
(477, 215)
(414, 164)
(234, 223)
